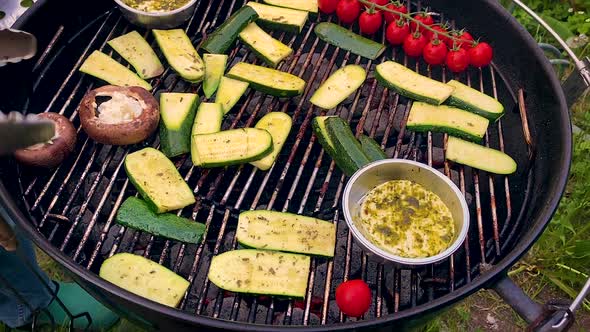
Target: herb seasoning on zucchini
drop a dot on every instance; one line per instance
(341, 84)
(157, 180)
(145, 278)
(278, 125)
(229, 93)
(281, 231)
(279, 18)
(133, 48)
(181, 54)
(214, 69)
(269, 49)
(260, 272)
(230, 147)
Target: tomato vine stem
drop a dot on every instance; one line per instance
(409, 17)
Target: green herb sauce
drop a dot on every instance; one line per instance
(154, 6)
(405, 219)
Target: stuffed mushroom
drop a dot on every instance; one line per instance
(51, 153)
(119, 115)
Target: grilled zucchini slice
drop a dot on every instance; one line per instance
(229, 93)
(348, 154)
(290, 20)
(453, 121)
(105, 68)
(136, 214)
(178, 114)
(157, 180)
(270, 50)
(267, 80)
(145, 278)
(410, 84)
(306, 5)
(261, 272)
(225, 35)
(230, 147)
(469, 99)
(208, 119)
(371, 148)
(214, 69)
(341, 84)
(133, 48)
(480, 157)
(281, 231)
(278, 125)
(181, 54)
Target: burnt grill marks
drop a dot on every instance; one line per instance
(76, 204)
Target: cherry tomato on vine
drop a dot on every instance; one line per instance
(435, 52)
(425, 18)
(378, 2)
(397, 32)
(398, 7)
(457, 59)
(348, 10)
(464, 39)
(353, 297)
(414, 44)
(439, 28)
(327, 6)
(481, 54)
(370, 21)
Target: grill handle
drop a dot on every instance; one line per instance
(578, 81)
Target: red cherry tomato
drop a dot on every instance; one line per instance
(481, 54)
(378, 2)
(425, 18)
(457, 60)
(391, 17)
(435, 52)
(432, 35)
(370, 21)
(348, 10)
(397, 32)
(353, 297)
(414, 44)
(464, 40)
(327, 6)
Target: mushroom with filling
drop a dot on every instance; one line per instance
(54, 151)
(129, 115)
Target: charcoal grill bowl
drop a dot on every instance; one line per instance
(517, 57)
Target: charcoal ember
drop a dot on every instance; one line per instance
(83, 219)
(333, 311)
(313, 64)
(380, 124)
(399, 118)
(297, 315)
(110, 239)
(170, 79)
(438, 157)
(225, 311)
(97, 195)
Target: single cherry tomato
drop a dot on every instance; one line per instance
(397, 32)
(327, 6)
(414, 44)
(439, 28)
(435, 52)
(353, 297)
(425, 18)
(377, 2)
(457, 59)
(398, 7)
(481, 54)
(462, 39)
(370, 21)
(348, 10)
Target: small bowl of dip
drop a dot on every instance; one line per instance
(157, 14)
(405, 212)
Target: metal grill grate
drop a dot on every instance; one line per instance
(75, 205)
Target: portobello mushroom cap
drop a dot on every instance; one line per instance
(53, 152)
(115, 130)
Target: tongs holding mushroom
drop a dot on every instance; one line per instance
(119, 115)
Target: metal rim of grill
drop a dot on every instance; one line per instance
(74, 206)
